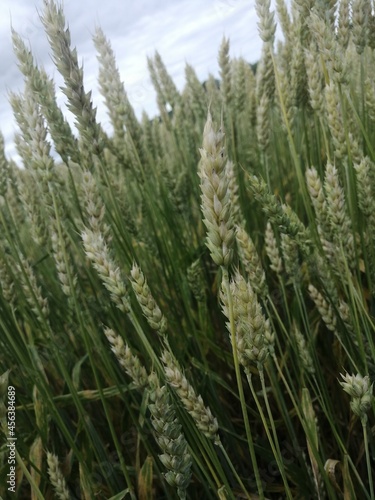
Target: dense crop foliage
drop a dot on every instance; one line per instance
(187, 304)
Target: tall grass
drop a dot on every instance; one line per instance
(187, 304)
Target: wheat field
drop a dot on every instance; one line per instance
(187, 304)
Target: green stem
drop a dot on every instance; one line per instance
(235, 473)
(239, 384)
(34, 486)
(369, 471)
(273, 442)
(293, 150)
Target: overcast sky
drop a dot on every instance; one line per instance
(180, 30)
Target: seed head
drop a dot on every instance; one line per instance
(360, 390)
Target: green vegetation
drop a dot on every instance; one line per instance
(187, 305)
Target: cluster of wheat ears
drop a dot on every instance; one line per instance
(187, 304)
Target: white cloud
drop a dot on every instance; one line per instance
(185, 31)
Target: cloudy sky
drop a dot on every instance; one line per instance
(180, 30)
